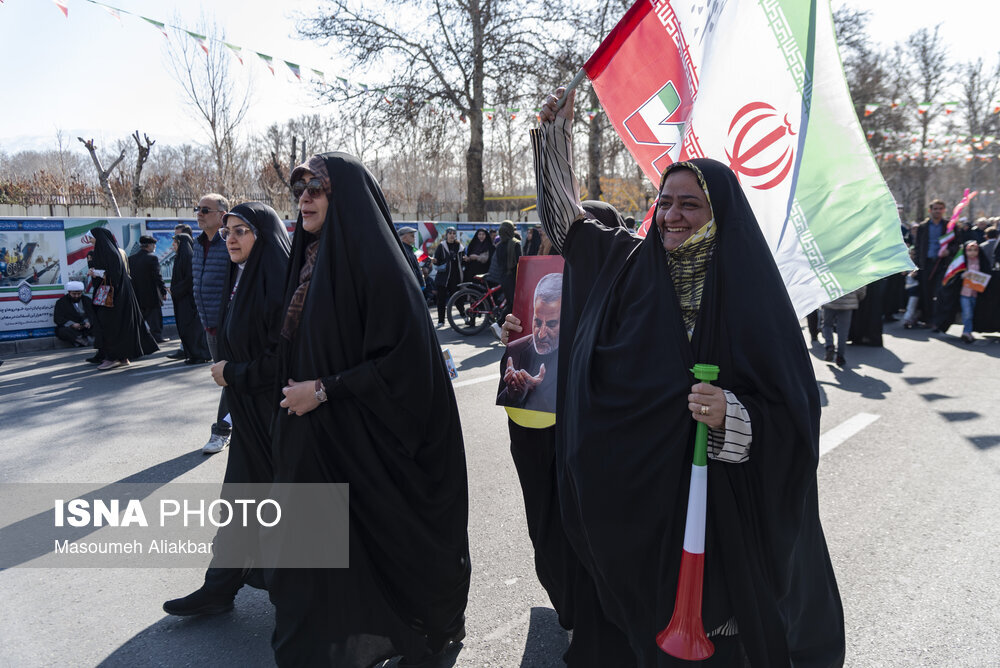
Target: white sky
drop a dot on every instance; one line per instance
(89, 75)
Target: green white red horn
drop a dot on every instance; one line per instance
(685, 636)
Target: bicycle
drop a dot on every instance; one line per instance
(475, 301)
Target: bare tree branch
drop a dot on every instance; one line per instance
(102, 174)
(140, 161)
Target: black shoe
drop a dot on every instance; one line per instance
(829, 355)
(96, 359)
(177, 355)
(841, 361)
(201, 602)
(162, 339)
(438, 648)
(196, 360)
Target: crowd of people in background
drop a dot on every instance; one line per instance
(923, 298)
(935, 295)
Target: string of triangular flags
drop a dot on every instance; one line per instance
(977, 142)
(952, 147)
(922, 107)
(935, 157)
(203, 41)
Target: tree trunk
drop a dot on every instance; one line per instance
(476, 196)
(292, 202)
(594, 149)
(139, 162)
(102, 174)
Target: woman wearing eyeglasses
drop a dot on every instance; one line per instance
(367, 401)
(252, 313)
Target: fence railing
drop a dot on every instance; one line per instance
(94, 198)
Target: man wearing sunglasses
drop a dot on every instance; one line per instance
(210, 269)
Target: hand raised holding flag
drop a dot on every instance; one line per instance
(550, 107)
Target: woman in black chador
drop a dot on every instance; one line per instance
(367, 402)
(478, 254)
(124, 335)
(637, 314)
(253, 312)
(189, 327)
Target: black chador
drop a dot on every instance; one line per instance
(189, 327)
(248, 342)
(124, 335)
(987, 314)
(624, 440)
(390, 429)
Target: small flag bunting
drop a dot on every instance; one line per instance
(114, 12)
(236, 51)
(295, 70)
(200, 39)
(63, 7)
(161, 26)
(268, 60)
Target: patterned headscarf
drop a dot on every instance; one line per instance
(317, 167)
(294, 314)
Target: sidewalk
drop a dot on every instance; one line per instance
(46, 343)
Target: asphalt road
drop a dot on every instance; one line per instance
(908, 491)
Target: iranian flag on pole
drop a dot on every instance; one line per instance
(758, 85)
(956, 267)
(426, 234)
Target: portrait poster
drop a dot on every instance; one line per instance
(529, 366)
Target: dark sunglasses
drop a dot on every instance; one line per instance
(204, 210)
(315, 187)
(240, 231)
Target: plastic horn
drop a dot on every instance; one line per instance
(685, 636)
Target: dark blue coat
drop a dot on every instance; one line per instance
(210, 274)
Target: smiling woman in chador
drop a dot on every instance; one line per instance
(637, 315)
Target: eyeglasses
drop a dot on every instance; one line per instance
(204, 210)
(315, 187)
(240, 231)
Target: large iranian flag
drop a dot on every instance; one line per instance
(758, 85)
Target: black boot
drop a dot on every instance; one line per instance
(201, 602)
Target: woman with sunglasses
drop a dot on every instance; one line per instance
(367, 401)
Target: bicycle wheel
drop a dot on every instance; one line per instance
(466, 316)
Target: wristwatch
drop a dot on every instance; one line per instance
(320, 391)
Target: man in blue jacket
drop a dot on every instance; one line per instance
(210, 267)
